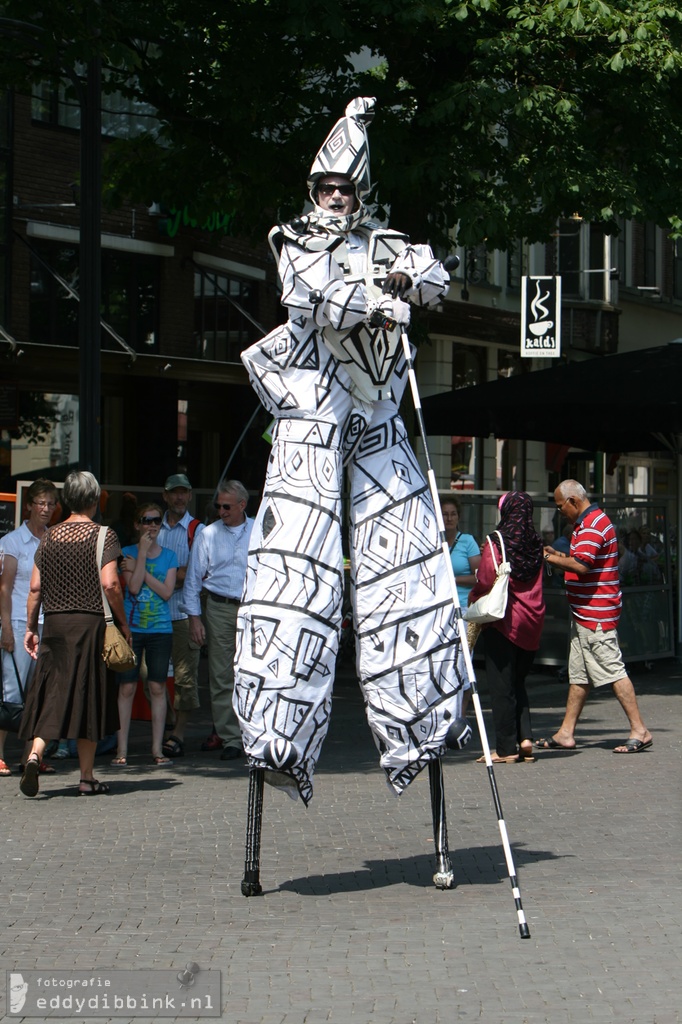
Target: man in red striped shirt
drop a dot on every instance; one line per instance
(594, 597)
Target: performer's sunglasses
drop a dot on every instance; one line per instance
(150, 521)
(327, 188)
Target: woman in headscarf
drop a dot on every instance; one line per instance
(510, 643)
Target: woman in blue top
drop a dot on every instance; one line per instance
(149, 573)
(465, 553)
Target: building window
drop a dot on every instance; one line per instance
(568, 257)
(677, 269)
(477, 264)
(597, 262)
(123, 116)
(649, 268)
(222, 331)
(517, 264)
(621, 247)
(5, 201)
(582, 260)
(130, 289)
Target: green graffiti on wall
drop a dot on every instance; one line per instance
(217, 220)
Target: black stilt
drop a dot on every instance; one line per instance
(444, 877)
(251, 881)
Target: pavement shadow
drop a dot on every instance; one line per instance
(119, 787)
(482, 865)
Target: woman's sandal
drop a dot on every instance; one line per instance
(97, 788)
(173, 747)
(43, 768)
(4, 768)
(511, 759)
(120, 762)
(29, 780)
(161, 762)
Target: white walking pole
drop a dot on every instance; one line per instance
(471, 676)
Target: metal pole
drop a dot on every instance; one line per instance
(90, 270)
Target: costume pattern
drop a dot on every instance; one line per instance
(333, 379)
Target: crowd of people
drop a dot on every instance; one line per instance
(177, 589)
(54, 579)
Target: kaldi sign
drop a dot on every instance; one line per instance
(541, 317)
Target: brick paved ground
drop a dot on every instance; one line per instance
(350, 928)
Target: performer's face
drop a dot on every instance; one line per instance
(332, 198)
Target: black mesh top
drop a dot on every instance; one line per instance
(67, 560)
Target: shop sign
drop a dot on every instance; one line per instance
(541, 317)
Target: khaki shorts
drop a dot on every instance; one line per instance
(595, 656)
(185, 667)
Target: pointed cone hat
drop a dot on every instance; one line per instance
(346, 148)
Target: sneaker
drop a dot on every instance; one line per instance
(213, 742)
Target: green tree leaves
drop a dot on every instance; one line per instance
(491, 117)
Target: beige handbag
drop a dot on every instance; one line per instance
(117, 653)
(492, 607)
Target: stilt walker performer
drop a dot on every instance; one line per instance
(332, 377)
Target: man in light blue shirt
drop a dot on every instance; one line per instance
(178, 532)
(217, 564)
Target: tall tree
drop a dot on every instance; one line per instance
(492, 116)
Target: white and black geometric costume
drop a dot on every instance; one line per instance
(333, 383)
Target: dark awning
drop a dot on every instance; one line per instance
(616, 403)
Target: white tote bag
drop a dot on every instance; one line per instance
(493, 605)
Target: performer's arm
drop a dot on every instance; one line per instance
(339, 304)
(429, 280)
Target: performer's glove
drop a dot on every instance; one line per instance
(397, 285)
(401, 311)
(387, 312)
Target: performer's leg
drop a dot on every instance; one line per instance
(251, 882)
(444, 877)
(408, 645)
(290, 617)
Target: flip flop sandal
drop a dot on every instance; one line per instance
(97, 788)
(29, 780)
(4, 768)
(511, 759)
(161, 762)
(119, 762)
(551, 744)
(633, 746)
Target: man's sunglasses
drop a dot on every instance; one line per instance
(218, 506)
(150, 521)
(328, 189)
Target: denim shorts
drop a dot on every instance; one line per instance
(156, 648)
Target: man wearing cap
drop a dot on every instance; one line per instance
(332, 377)
(178, 531)
(217, 564)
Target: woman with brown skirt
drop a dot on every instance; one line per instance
(71, 694)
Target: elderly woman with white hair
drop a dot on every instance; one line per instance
(70, 695)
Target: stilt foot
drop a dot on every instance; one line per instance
(444, 880)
